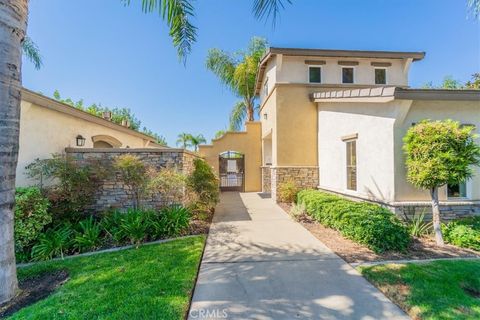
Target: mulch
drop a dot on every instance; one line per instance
(33, 290)
(352, 252)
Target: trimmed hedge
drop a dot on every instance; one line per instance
(369, 224)
(463, 233)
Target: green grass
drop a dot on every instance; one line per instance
(151, 282)
(431, 290)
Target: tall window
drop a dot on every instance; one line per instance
(314, 74)
(351, 164)
(380, 76)
(265, 87)
(347, 75)
(457, 190)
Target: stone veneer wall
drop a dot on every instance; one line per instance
(112, 191)
(447, 211)
(266, 179)
(304, 177)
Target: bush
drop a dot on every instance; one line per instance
(463, 233)
(298, 210)
(287, 191)
(170, 184)
(53, 243)
(134, 226)
(173, 221)
(31, 216)
(134, 174)
(365, 223)
(418, 227)
(87, 237)
(204, 184)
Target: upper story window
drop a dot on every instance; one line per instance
(347, 75)
(265, 87)
(314, 74)
(380, 76)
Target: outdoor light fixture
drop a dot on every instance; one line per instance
(265, 116)
(80, 141)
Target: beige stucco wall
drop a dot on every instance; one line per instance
(294, 70)
(295, 143)
(248, 143)
(374, 125)
(466, 112)
(44, 132)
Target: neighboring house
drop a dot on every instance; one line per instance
(48, 126)
(335, 119)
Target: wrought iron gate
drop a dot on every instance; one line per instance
(232, 171)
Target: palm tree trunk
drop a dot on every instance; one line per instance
(436, 216)
(250, 111)
(13, 23)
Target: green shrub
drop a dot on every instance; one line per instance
(365, 223)
(31, 216)
(134, 226)
(110, 223)
(204, 184)
(173, 221)
(53, 243)
(170, 184)
(418, 227)
(298, 210)
(287, 191)
(88, 235)
(463, 233)
(134, 174)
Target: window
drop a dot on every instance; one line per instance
(265, 88)
(315, 74)
(347, 75)
(351, 164)
(380, 76)
(457, 190)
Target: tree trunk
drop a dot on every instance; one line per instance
(250, 111)
(436, 217)
(13, 23)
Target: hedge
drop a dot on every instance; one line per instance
(369, 224)
(463, 233)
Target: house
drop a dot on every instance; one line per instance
(335, 119)
(48, 126)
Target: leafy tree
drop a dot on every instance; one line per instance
(237, 71)
(158, 138)
(197, 140)
(220, 133)
(447, 83)
(474, 83)
(31, 51)
(134, 175)
(439, 153)
(13, 18)
(184, 140)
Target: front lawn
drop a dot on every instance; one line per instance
(151, 282)
(436, 290)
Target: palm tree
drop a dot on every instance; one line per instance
(197, 140)
(13, 24)
(237, 71)
(219, 133)
(184, 140)
(31, 51)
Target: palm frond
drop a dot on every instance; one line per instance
(223, 66)
(237, 116)
(264, 9)
(177, 14)
(31, 51)
(474, 7)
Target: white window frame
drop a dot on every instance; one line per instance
(354, 73)
(265, 87)
(468, 187)
(308, 73)
(386, 75)
(347, 141)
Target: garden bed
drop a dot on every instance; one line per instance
(145, 283)
(352, 252)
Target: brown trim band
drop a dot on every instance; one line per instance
(381, 64)
(348, 63)
(350, 137)
(315, 62)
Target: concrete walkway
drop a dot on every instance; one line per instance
(260, 264)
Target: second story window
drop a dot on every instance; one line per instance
(347, 75)
(265, 88)
(380, 76)
(314, 74)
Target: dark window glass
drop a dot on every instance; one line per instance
(457, 190)
(352, 165)
(315, 74)
(380, 76)
(347, 75)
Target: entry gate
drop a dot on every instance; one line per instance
(232, 171)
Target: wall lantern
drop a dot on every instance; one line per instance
(265, 116)
(80, 141)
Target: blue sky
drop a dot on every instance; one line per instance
(104, 52)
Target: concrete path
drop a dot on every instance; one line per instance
(260, 264)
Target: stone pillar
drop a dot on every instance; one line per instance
(304, 177)
(266, 181)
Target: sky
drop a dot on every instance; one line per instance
(104, 52)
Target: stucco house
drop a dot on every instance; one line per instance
(335, 119)
(48, 126)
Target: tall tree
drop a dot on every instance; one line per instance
(197, 140)
(184, 140)
(439, 153)
(13, 24)
(237, 71)
(474, 7)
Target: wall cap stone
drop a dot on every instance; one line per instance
(130, 150)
